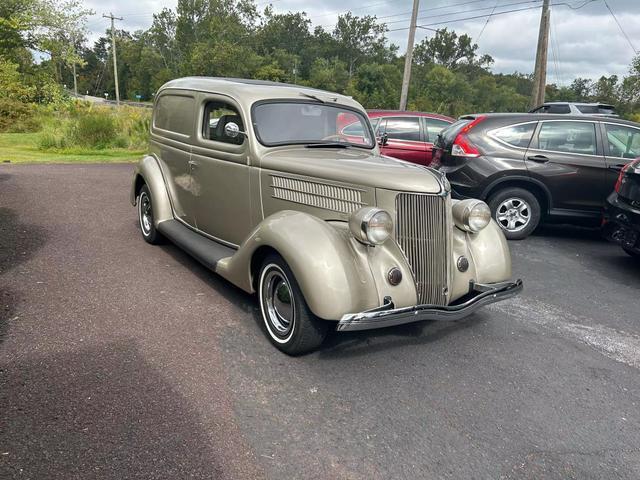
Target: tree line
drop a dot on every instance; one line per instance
(233, 38)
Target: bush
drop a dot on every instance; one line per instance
(16, 116)
(82, 125)
(93, 130)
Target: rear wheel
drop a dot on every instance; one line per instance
(145, 217)
(516, 210)
(632, 253)
(290, 324)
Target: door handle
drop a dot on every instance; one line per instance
(617, 167)
(538, 158)
(192, 164)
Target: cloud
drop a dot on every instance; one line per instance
(585, 42)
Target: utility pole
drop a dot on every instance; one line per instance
(540, 72)
(113, 49)
(408, 59)
(75, 80)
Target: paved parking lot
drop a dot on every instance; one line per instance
(123, 360)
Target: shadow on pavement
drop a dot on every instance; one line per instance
(100, 412)
(351, 344)
(18, 243)
(337, 344)
(571, 232)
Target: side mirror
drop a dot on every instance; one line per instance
(232, 130)
(383, 139)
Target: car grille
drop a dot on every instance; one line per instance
(422, 231)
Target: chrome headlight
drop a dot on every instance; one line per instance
(371, 225)
(471, 215)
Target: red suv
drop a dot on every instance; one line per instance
(407, 135)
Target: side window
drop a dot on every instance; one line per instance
(558, 109)
(434, 127)
(174, 113)
(403, 128)
(624, 142)
(570, 137)
(216, 117)
(516, 135)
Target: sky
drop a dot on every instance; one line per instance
(585, 39)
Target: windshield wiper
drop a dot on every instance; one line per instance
(328, 145)
(308, 95)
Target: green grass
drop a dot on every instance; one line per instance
(24, 148)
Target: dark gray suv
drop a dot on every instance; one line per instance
(536, 167)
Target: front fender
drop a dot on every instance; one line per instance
(148, 171)
(488, 255)
(336, 274)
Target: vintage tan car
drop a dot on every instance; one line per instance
(255, 181)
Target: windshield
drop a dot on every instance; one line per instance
(300, 122)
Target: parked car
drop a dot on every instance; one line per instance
(406, 135)
(622, 216)
(328, 232)
(571, 108)
(532, 168)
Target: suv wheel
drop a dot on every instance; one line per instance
(516, 210)
(145, 217)
(290, 324)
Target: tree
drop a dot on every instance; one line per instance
(359, 37)
(450, 50)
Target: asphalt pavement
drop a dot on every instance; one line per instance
(123, 360)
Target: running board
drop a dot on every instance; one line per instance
(206, 251)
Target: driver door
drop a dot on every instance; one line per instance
(220, 173)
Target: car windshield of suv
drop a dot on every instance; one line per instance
(306, 123)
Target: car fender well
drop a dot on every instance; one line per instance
(148, 172)
(535, 186)
(336, 274)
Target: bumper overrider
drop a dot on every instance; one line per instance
(388, 316)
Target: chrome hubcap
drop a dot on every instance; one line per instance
(514, 214)
(145, 213)
(278, 302)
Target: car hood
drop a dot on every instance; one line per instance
(354, 166)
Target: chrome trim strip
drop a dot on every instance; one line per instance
(388, 316)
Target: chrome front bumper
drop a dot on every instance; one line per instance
(388, 316)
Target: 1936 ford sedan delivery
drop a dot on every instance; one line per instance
(258, 181)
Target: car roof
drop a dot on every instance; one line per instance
(534, 117)
(374, 113)
(586, 104)
(248, 91)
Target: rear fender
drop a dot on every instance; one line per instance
(148, 172)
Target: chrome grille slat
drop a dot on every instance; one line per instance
(421, 232)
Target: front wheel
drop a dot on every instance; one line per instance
(631, 253)
(290, 324)
(516, 210)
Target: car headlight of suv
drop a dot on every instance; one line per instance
(370, 225)
(471, 215)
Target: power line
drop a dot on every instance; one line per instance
(481, 16)
(487, 22)
(556, 49)
(620, 27)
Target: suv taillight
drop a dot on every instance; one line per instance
(462, 146)
(633, 164)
